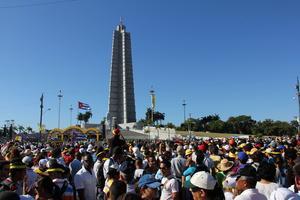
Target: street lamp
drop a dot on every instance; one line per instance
(298, 95)
(189, 126)
(184, 104)
(152, 94)
(48, 109)
(59, 102)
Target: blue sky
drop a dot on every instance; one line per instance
(224, 57)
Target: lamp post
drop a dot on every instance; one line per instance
(152, 94)
(41, 115)
(298, 95)
(59, 102)
(44, 113)
(189, 126)
(183, 104)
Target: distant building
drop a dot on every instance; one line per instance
(121, 107)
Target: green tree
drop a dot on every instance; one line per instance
(28, 130)
(157, 116)
(80, 117)
(242, 124)
(86, 116)
(216, 126)
(295, 124)
(204, 121)
(170, 125)
(21, 129)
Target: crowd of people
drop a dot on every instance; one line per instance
(212, 169)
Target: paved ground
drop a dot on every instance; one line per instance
(129, 135)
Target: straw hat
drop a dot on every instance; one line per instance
(225, 165)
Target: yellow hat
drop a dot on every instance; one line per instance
(188, 152)
(253, 150)
(231, 155)
(242, 145)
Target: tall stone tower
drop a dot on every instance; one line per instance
(121, 108)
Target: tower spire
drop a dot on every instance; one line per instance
(121, 27)
(121, 21)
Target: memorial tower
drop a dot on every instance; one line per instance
(121, 107)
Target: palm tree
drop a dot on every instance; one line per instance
(80, 117)
(28, 129)
(21, 129)
(87, 116)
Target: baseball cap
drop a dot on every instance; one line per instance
(149, 181)
(242, 156)
(27, 160)
(202, 147)
(248, 171)
(230, 181)
(203, 180)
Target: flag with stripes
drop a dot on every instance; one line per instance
(83, 106)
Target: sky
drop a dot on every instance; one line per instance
(222, 57)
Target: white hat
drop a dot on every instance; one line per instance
(203, 180)
(283, 194)
(48, 149)
(226, 147)
(81, 150)
(42, 163)
(27, 160)
(229, 182)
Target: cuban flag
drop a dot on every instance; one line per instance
(83, 106)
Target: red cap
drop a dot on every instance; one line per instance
(231, 141)
(202, 147)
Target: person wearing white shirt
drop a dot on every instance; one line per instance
(85, 180)
(170, 186)
(266, 173)
(115, 160)
(245, 185)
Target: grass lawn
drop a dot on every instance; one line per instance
(206, 134)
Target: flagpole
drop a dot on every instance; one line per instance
(298, 94)
(59, 102)
(77, 113)
(41, 115)
(152, 94)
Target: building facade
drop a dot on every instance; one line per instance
(121, 108)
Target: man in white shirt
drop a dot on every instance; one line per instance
(170, 186)
(85, 180)
(245, 185)
(115, 160)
